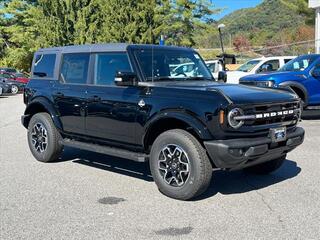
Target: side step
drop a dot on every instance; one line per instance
(117, 152)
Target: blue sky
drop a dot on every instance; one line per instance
(232, 5)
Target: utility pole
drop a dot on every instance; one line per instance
(220, 34)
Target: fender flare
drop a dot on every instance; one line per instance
(48, 106)
(199, 128)
(297, 85)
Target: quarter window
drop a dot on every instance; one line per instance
(75, 68)
(107, 64)
(44, 65)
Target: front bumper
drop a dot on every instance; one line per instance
(236, 154)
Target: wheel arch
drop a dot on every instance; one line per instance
(172, 120)
(298, 88)
(41, 104)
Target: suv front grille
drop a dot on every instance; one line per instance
(285, 113)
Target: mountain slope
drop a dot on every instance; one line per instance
(266, 20)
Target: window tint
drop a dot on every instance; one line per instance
(287, 60)
(269, 66)
(44, 65)
(107, 64)
(75, 68)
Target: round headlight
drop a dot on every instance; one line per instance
(236, 112)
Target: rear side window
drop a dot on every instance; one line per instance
(44, 65)
(75, 68)
(107, 64)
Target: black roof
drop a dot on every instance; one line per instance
(107, 47)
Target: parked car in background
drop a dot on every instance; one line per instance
(302, 75)
(215, 66)
(5, 87)
(19, 77)
(258, 65)
(9, 70)
(185, 69)
(15, 86)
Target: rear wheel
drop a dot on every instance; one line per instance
(43, 138)
(267, 167)
(14, 89)
(179, 165)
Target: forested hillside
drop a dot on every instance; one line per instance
(26, 25)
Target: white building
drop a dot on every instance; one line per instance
(316, 5)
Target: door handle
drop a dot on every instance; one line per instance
(95, 99)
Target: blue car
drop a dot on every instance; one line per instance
(301, 74)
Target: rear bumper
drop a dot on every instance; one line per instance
(236, 154)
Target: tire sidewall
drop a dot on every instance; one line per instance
(40, 118)
(190, 186)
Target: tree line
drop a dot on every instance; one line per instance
(27, 25)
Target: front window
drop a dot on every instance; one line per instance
(298, 64)
(107, 64)
(248, 66)
(160, 64)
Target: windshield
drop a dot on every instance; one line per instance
(298, 64)
(248, 66)
(166, 65)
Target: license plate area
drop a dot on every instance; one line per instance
(278, 134)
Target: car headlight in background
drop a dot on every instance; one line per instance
(265, 83)
(236, 112)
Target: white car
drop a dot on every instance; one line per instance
(185, 69)
(215, 66)
(258, 65)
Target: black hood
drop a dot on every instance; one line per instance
(236, 93)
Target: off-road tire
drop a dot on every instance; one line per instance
(53, 148)
(200, 170)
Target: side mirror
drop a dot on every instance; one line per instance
(316, 73)
(125, 78)
(222, 76)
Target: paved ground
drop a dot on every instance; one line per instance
(97, 197)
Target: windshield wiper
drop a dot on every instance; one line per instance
(200, 78)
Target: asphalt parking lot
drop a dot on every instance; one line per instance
(90, 196)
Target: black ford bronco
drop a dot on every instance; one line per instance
(158, 104)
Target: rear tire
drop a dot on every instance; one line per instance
(267, 167)
(179, 165)
(14, 89)
(43, 138)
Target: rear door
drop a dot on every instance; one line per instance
(111, 110)
(70, 92)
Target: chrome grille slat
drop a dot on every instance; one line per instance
(251, 113)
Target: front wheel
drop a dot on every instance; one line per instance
(43, 138)
(267, 167)
(179, 165)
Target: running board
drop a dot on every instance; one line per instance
(116, 152)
